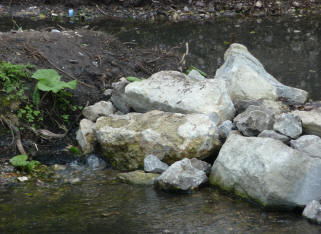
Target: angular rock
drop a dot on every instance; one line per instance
(312, 211)
(309, 144)
(152, 164)
(181, 176)
(118, 97)
(254, 120)
(97, 110)
(225, 128)
(172, 91)
(246, 78)
(201, 165)
(267, 171)
(276, 107)
(126, 139)
(138, 177)
(274, 135)
(310, 121)
(196, 75)
(288, 124)
(85, 136)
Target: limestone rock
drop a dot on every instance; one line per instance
(172, 91)
(118, 97)
(126, 139)
(152, 164)
(225, 128)
(137, 177)
(312, 211)
(101, 108)
(254, 120)
(288, 124)
(274, 135)
(85, 136)
(201, 165)
(310, 121)
(267, 171)
(196, 75)
(181, 176)
(309, 144)
(246, 78)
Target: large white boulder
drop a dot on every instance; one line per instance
(247, 79)
(173, 91)
(127, 139)
(267, 171)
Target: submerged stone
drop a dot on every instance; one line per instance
(137, 177)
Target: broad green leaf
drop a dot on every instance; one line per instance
(19, 160)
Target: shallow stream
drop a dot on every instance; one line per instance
(289, 48)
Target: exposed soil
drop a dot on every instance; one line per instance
(175, 10)
(95, 59)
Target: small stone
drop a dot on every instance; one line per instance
(55, 31)
(200, 4)
(312, 211)
(296, 4)
(108, 93)
(288, 124)
(238, 6)
(85, 136)
(186, 8)
(74, 180)
(258, 4)
(95, 163)
(137, 177)
(274, 135)
(225, 128)
(309, 144)
(152, 164)
(97, 110)
(22, 178)
(59, 167)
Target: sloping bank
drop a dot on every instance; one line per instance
(178, 117)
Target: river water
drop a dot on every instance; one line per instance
(289, 48)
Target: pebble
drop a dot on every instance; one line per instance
(258, 4)
(22, 178)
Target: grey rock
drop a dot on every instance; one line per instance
(108, 92)
(196, 75)
(310, 121)
(138, 177)
(118, 97)
(85, 136)
(288, 124)
(201, 165)
(274, 135)
(55, 31)
(246, 78)
(152, 164)
(275, 107)
(95, 163)
(225, 128)
(97, 110)
(181, 176)
(173, 91)
(267, 171)
(126, 139)
(312, 211)
(309, 144)
(254, 120)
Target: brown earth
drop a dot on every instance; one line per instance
(95, 59)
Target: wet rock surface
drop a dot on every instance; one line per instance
(181, 176)
(152, 164)
(138, 177)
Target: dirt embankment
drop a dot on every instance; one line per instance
(95, 59)
(175, 10)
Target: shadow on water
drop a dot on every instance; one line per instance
(289, 49)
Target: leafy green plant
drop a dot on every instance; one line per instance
(30, 114)
(133, 79)
(21, 162)
(74, 150)
(49, 81)
(194, 68)
(12, 79)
